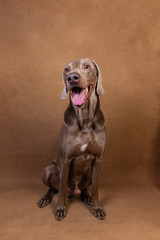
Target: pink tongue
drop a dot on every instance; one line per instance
(79, 98)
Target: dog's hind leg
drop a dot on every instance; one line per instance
(85, 197)
(50, 178)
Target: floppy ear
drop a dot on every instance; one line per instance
(64, 93)
(100, 89)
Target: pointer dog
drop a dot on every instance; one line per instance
(81, 142)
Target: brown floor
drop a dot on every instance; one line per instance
(132, 213)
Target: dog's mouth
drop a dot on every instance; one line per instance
(80, 95)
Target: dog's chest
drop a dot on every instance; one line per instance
(85, 142)
(89, 142)
(85, 139)
(83, 147)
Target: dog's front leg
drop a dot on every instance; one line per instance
(60, 211)
(98, 211)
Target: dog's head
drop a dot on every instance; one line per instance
(80, 78)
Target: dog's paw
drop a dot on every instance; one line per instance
(60, 213)
(99, 213)
(44, 201)
(85, 197)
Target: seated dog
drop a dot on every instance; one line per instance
(81, 142)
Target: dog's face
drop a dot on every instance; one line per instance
(80, 78)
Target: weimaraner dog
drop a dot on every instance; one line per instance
(81, 142)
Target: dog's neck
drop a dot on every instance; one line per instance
(85, 115)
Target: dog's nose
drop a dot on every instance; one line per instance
(73, 78)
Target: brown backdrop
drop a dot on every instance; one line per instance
(37, 39)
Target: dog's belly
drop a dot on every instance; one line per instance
(81, 163)
(80, 172)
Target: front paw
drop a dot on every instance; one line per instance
(99, 213)
(60, 213)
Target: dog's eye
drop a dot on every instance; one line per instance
(66, 69)
(86, 66)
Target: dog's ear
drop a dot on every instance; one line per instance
(100, 89)
(64, 93)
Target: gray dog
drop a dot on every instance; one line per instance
(81, 142)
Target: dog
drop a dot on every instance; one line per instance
(81, 141)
